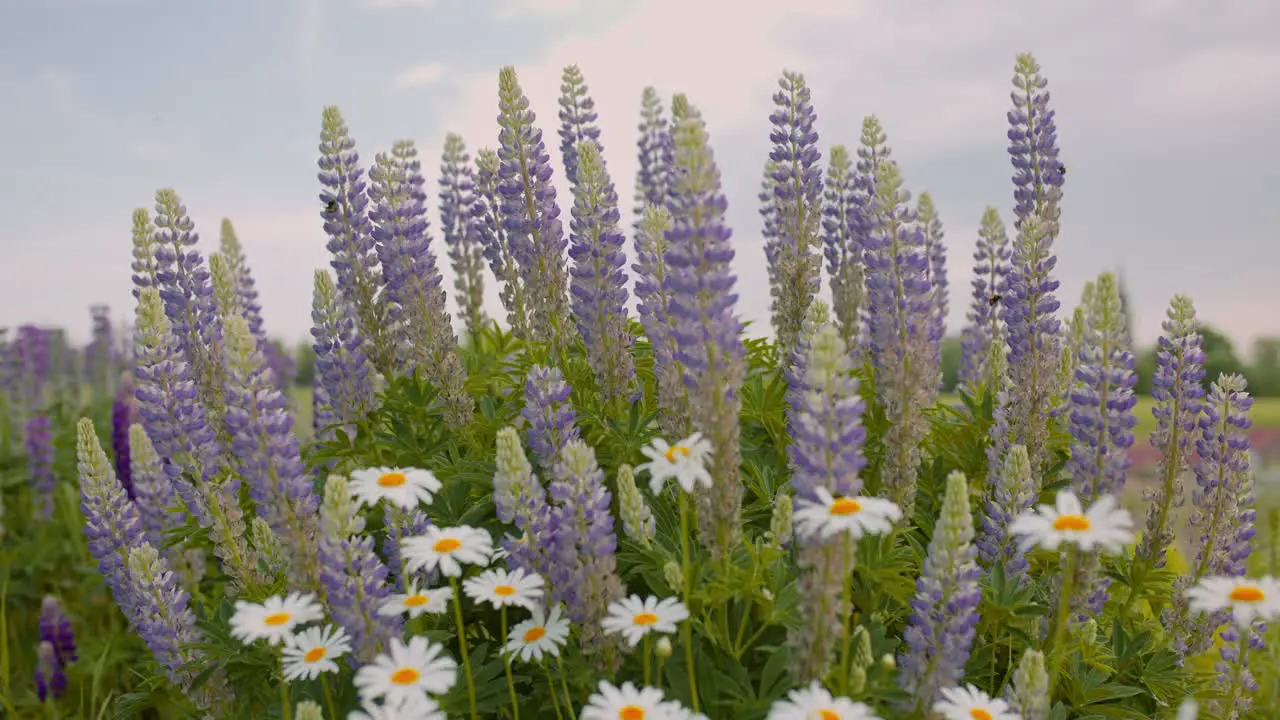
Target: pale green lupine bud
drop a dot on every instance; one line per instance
(515, 489)
(339, 510)
(1029, 691)
(860, 661)
(637, 521)
(308, 710)
(144, 250)
(672, 574)
(1088, 633)
(997, 368)
(264, 541)
(226, 299)
(679, 107)
(780, 523)
(1189, 709)
(1073, 340)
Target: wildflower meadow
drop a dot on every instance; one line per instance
(618, 502)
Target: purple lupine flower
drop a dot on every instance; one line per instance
(33, 362)
(679, 113)
(1033, 148)
(99, 357)
(548, 415)
(936, 251)
(706, 329)
(39, 438)
(124, 413)
(577, 119)
(652, 174)
(580, 551)
(417, 321)
(1013, 490)
(465, 244)
(51, 679)
(598, 283)
(769, 230)
(55, 628)
(824, 419)
(520, 499)
(798, 189)
(531, 217)
(1179, 395)
(246, 288)
(944, 611)
(153, 490)
(353, 578)
(112, 526)
(145, 268)
(653, 305)
(903, 337)
(267, 456)
(323, 416)
(342, 368)
(990, 284)
(401, 524)
(350, 237)
(490, 228)
(845, 265)
(186, 288)
(1236, 680)
(163, 617)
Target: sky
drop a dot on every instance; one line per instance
(1166, 114)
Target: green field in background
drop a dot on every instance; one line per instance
(1265, 413)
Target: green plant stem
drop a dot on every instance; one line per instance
(462, 647)
(506, 662)
(551, 685)
(1237, 672)
(1058, 633)
(328, 695)
(286, 711)
(846, 599)
(564, 683)
(687, 567)
(645, 653)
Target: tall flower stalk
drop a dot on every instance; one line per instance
(577, 121)
(936, 252)
(342, 368)
(653, 148)
(654, 306)
(489, 224)
(990, 285)
(466, 250)
(843, 252)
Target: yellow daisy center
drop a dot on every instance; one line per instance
(1248, 594)
(631, 712)
(447, 545)
(672, 451)
(405, 676)
(275, 619)
(534, 634)
(314, 655)
(1075, 523)
(392, 479)
(828, 715)
(645, 618)
(845, 506)
(415, 600)
(504, 591)
(980, 714)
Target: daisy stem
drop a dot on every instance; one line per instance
(1058, 634)
(645, 654)
(462, 646)
(687, 567)
(328, 695)
(285, 710)
(506, 662)
(564, 683)
(846, 652)
(551, 685)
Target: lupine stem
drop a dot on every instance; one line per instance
(1058, 634)
(462, 647)
(687, 567)
(506, 662)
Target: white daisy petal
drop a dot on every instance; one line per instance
(313, 651)
(447, 549)
(407, 673)
(416, 601)
(405, 487)
(624, 703)
(275, 619)
(858, 516)
(539, 636)
(815, 702)
(685, 462)
(1248, 599)
(411, 709)
(505, 588)
(1104, 526)
(970, 703)
(634, 617)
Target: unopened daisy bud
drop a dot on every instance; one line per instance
(1189, 709)
(637, 521)
(1029, 691)
(673, 575)
(663, 647)
(780, 525)
(888, 661)
(308, 710)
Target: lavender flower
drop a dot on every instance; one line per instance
(936, 251)
(466, 249)
(111, 523)
(1236, 680)
(164, 621)
(353, 577)
(1029, 692)
(489, 225)
(823, 567)
(1013, 490)
(845, 266)
(39, 437)
(548, 414)
(124, 412)
(798, 188)
(342, 367)
(416, 318)
(598, 284)
(350, 237)
(637, 520)
(267, 456)
(1033, 148)
(246, 291)
(100, 356)
(990, 284)
(531, 216)
(944, 613)
(520, 499)
(401, 524)
(652, 175)
(903, 337)
(577, 120)
(1179, 398)
(825, 419)
(706, 330)
(653, 305)
(145, 267)
(55, 629)
(51, 679)
(153, 490)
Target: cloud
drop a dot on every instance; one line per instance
(152, 150)
(395, 4)
(510, 9)
(420, 76)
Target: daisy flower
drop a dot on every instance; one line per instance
(313, 651)
(275, 619)
(542, 634)
(815, 702)
(417, 601)
(422, 708)
(673, 710)
(407, 673)
(685, 462)
(1189, 709)
(406, 487)
(857, 516)
(447, 549)
(970, 703)
(504, 588)
(1104, 526)
(1247, 599)
(634, 617)
(624, 703)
